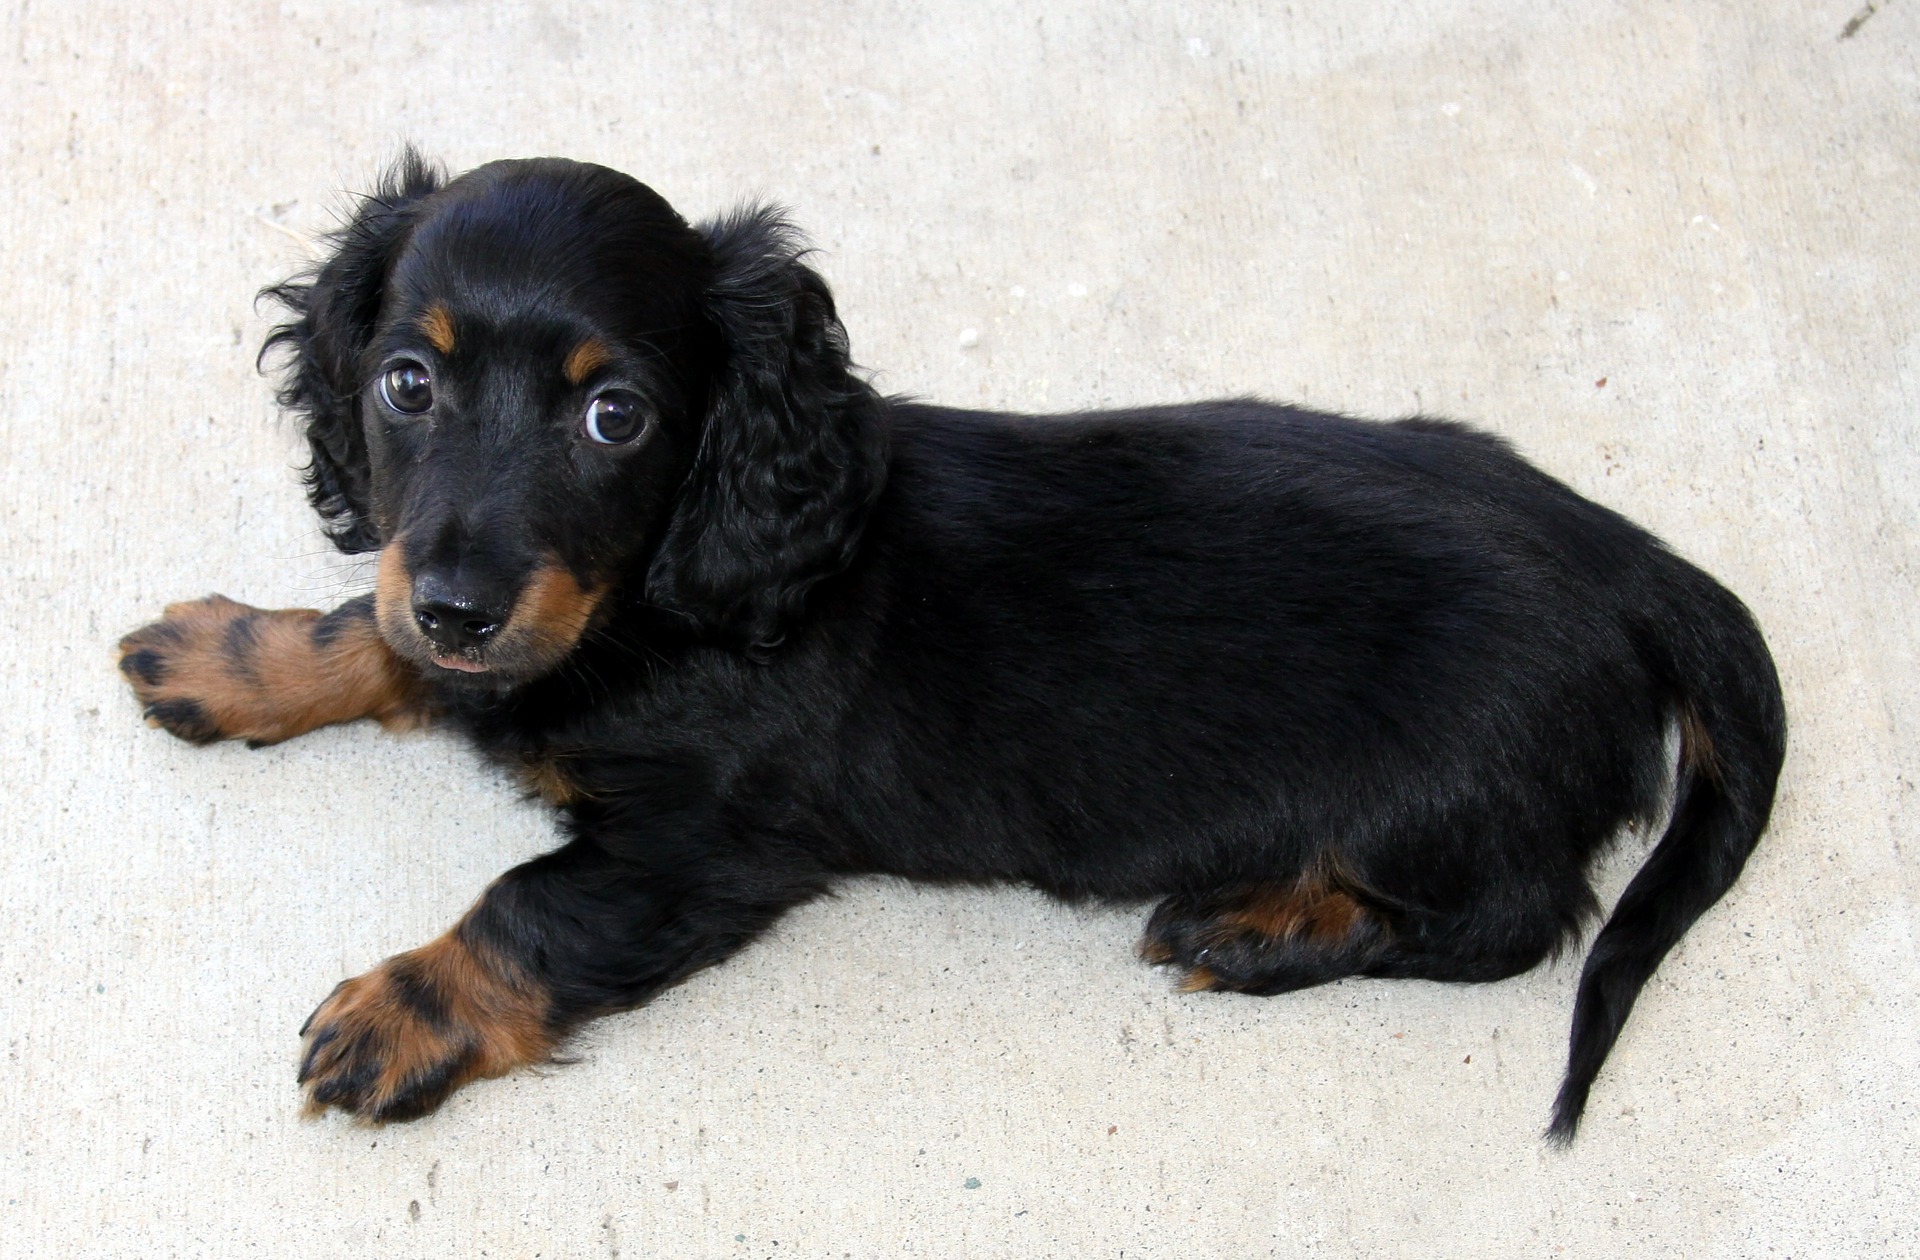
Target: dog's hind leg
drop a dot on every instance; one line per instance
(1468, 952)
(1276, 937)
(214, 669)
(1266, 938)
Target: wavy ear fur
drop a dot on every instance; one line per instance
(793, 453)
(334, 307)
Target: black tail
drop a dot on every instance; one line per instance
(1704, 644)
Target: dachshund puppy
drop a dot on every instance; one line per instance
(1344, 698)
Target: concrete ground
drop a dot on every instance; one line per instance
(1671, 251)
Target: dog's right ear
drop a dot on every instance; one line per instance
(334, 307)
(793, 452)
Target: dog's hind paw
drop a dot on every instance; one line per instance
(1264, 938)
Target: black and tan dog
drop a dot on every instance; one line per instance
(1346, 698)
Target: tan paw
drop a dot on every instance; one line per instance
(215, 669)
(393, 1043)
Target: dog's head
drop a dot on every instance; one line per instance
(535, 386)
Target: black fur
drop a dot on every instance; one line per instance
(184, 718)
(327, 630)
(792, 453)
(334, 309)
(1206, 654)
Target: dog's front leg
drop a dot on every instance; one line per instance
(213, 669)
(577, 933)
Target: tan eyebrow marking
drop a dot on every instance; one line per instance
(437, 326)
(587, 357)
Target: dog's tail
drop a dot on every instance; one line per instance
(1704, 648)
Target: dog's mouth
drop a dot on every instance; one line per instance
(549, 614)
(466, 664)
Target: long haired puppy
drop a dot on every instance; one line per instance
(1342, 698)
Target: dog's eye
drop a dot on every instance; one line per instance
(407, 388)
(614, 417)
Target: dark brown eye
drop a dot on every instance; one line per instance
(615, 417)
(407, 388)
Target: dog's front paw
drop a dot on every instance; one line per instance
(214, 669)
(195, 673)
(393, 1043)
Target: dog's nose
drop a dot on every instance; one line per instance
(455, 627)
(454, 621)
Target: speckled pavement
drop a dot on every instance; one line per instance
(1671, 251)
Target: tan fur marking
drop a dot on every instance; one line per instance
(551, 614)
(436, 325)
(1306, 908)
(548, 617)
(544, 777)
(259, 675)
(1155, 951)
(393, 595)
(587, 358)
(1334, 917)
(1697, 752)
(493, 1020)
(1196, 980)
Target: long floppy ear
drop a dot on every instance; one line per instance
(334, 307)
(793, 452)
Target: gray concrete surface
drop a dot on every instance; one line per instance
(1670, 250)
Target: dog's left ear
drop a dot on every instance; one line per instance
(793, 453)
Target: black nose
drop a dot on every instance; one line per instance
(453, 621)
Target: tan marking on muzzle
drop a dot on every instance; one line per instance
(548, 617)
(393, 597)
(553, 611)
